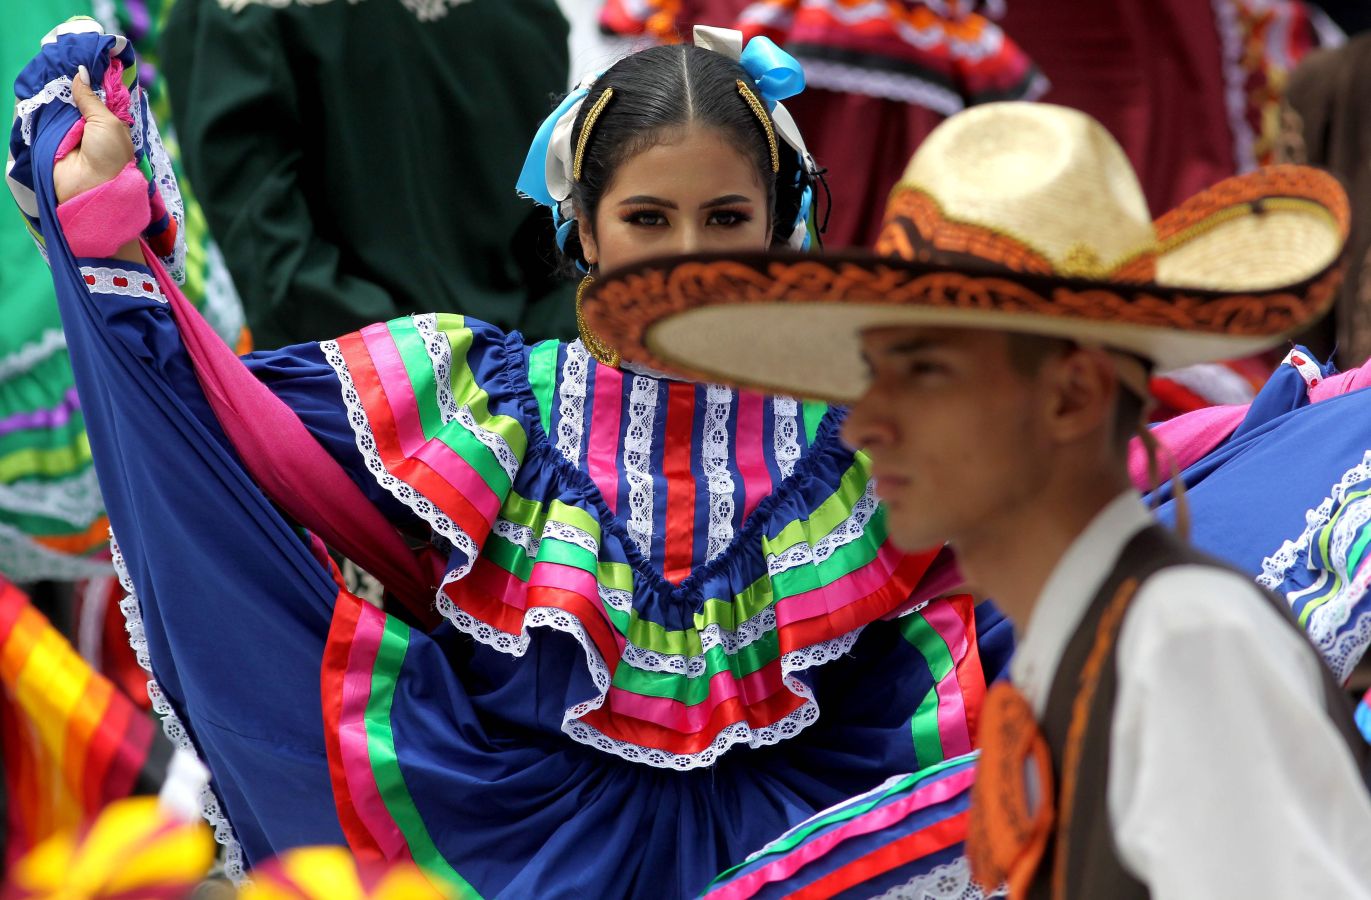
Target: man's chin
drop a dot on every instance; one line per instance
(911, 537)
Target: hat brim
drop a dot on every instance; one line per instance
(791, 323)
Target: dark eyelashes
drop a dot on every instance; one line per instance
(651, 218)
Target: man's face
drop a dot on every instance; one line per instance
(953, 430)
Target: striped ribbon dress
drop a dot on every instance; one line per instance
(669, 621)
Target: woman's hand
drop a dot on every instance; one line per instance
(105, 148)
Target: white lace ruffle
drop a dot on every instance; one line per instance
(844, 78)
(58, 89)
(736, 733)
(235, 864)
(23, 559)
(786, 440)
(711, 636)
(164, 176)
(31, 354)
(849, 530)
(1341, 648)
(366, 444)
(642, 412)
(571, 402)
(714, 459)
(439, 350)
(1232, 46)
(949, 881)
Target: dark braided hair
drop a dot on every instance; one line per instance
(669, 87)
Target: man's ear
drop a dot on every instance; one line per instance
(1081, 385)
(589, 249)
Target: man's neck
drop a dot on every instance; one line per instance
(1011, 558)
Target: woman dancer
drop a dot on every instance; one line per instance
(671, 623)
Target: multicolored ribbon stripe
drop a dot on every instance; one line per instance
(576, 565)
(900, 829)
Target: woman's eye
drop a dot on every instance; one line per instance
(729, 218)
(646, 218)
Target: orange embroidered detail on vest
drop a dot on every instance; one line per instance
(1012, 799)
(1105, 637)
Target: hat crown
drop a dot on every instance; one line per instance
(1048, 177)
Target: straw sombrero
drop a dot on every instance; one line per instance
(1021, 217)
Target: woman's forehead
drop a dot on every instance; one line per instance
(693, 162)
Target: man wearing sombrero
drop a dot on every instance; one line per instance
(1169, 731)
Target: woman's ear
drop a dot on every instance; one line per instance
(588, 248)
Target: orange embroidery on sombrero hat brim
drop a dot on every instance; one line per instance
(1018, 217)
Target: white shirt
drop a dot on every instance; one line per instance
(1226, 777)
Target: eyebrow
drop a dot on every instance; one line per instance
(648, 200)
(725, 200)
(645, 200)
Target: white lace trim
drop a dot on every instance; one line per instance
(24, 559)
(31, 354)
(1341, 648)
(104, 280)
(1235, 84)
(642, 412)
(164, 176)
(846, 78)
(736, 733)
(57, 89)
(849, 530)
(616, 599)
(406, 494)
(571, 402)
(423, 10)
(714, 459)
(75, 500)
(1308, 369)
(235, 865)
(524, 537)
(786, 440)
(949, 881)
(711, 636)
(439, 350)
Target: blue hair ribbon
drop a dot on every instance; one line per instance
(778, 74)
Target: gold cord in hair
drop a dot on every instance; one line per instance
(591, 118)
(595, 345)
(765, 119)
